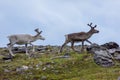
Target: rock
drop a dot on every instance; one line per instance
(117, 57)
(66, 55)
(49, 64)
(95, 47)
(43, 78)
(102, 56)
(44, 68)
(118, 50)
(23, 68)
(118, 78)
(56, 71)
(19, 49)
(6, 70)
(39, 64)
(8, 58)
(103, 60)
(111, 45)
(41, 49)
(112, 51)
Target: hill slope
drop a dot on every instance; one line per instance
(46, 66)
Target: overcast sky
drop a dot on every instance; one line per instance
(59, 17)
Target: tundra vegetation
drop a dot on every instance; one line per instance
(43, 66)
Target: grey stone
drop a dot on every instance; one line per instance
(102, 56)
(19, 49)
(117, 57)
(118, 78)
(44, 68)
(41, 49)
(6, 70)
(94, 47)
(103, 61)
(111, 45)
(43, 78)
(23, 68)
(66, 55)
(8, 60)
(39, 64)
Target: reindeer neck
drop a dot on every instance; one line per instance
(36, 35)
(90, 33)
(34, 38)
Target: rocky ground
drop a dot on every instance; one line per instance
(46, 64)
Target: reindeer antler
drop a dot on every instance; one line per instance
(91, 25)
(95, 26)
(37, 30)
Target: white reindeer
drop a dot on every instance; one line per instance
(21, 39)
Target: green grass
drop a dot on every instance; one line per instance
(77, 67)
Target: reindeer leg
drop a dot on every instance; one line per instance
(26, 48)
(10, 49)
(33, 47)
(72, 45)
(89, 41)
(63, 46)
(82, 49)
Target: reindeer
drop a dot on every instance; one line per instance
(79, 37)
(21, 39)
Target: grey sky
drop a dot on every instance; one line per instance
(59, 17)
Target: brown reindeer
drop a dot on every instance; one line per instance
(79, 37)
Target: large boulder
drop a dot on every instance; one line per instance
(103, 58)
(101, 54)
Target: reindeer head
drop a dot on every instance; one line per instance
(38, 36)
(93, 30)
